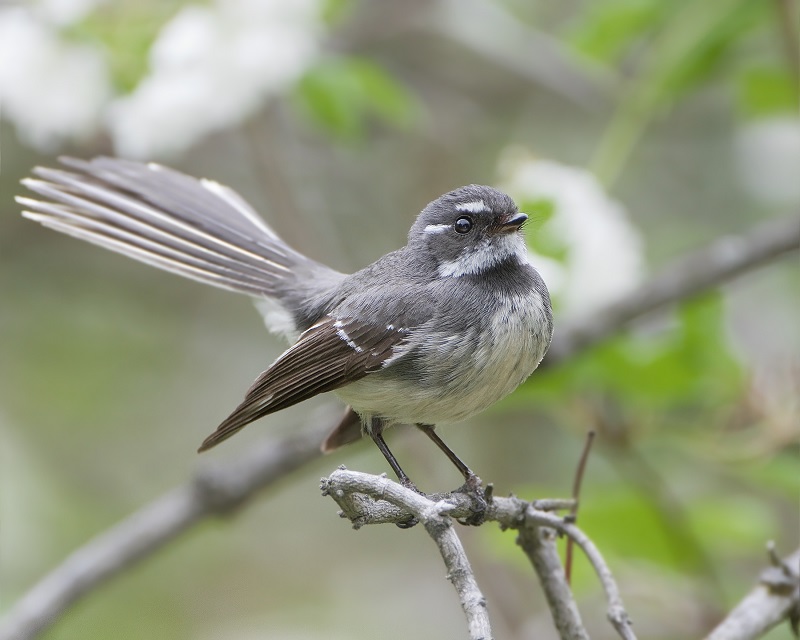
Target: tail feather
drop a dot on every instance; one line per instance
(196, 228)
(140, 248)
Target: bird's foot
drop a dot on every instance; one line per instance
(480, 498)
(411, 521)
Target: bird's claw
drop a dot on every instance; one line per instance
(480, 498)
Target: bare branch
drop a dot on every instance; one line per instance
(776, 598)
(511, 513)
(616, 610)
(539, 544)
(214, 491)
(687, 276)
(434, 516)
(529, 54)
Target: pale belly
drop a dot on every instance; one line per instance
(456, 377)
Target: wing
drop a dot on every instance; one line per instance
(332, 353)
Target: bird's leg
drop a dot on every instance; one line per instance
(375, 430)
(469, 476)
(472, 483)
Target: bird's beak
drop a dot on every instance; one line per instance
(511, 224)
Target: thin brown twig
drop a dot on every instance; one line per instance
(576, 491)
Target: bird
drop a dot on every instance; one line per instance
(429, 334)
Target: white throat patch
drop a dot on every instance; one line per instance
(485, 255)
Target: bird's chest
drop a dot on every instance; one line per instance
(456, 366)
(470, 369)
(497, 354)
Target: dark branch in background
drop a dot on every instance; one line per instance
(687, 276)
(222, 489)
(530, 54)
(214, 491)
(365, 499)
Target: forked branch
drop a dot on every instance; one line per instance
(368, 499)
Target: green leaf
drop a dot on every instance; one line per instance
(126, 31)
(610, 30)
(344, 95)
(328, 96)
(334, 12)
(687, 367)
(702, 37)
(620, 520)
(766, 91)
(539, 234)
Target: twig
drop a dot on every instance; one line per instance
(434, 516)
(616, 613)
(776, 598)
(214, 491)
(576, 492)
(181, 508)
(687, 276)
(539, 545)
(510, 513)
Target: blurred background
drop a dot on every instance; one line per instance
(632, 131)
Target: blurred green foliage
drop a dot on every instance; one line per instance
(767, 90)
(687, 366)
(539, 235)
(126, 31)
(670, 49)
(344, 95)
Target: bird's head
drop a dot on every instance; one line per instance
(469, 231)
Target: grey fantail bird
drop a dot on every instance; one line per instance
(431, 333)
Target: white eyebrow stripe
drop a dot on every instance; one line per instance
(436, 228)
(476, 206)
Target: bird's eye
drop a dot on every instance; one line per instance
(463, 225)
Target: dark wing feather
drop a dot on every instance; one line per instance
(327, 356)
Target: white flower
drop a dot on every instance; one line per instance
(50, 89)
(603, 250)
(211, 67)
(768, 155)
(65, 12)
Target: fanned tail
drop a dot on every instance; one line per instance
(196, 228)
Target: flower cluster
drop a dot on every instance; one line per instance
(209, 68)
(603, 255)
